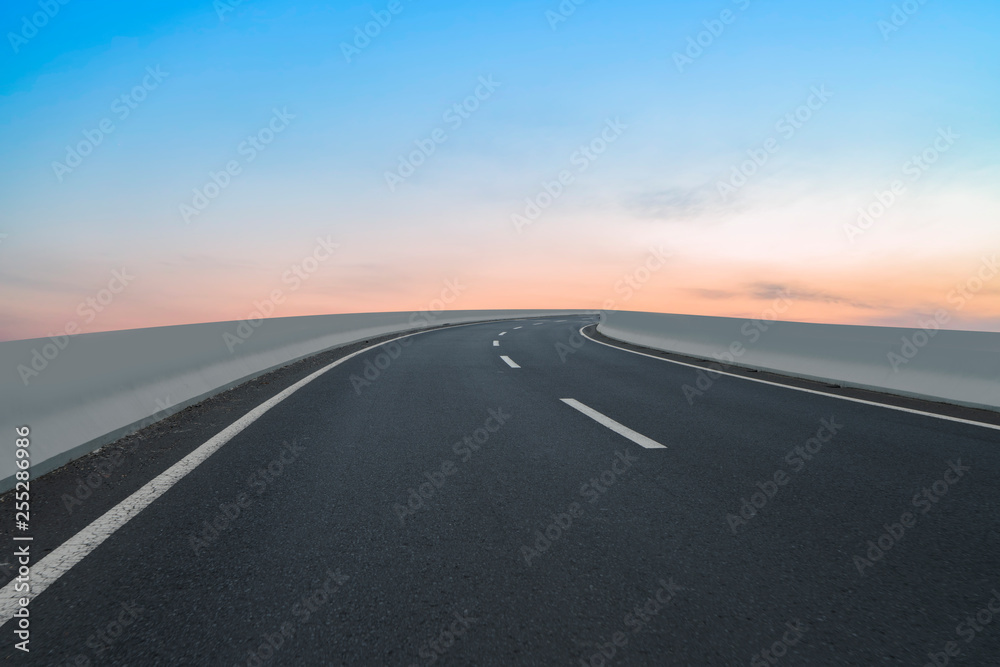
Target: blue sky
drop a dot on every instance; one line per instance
(558, 85)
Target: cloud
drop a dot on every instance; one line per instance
(767, 291)
(677, 204)
(48, 283)
(713, 293)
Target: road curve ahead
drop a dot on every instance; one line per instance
(514, 493)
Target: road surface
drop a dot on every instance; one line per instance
(514, 493)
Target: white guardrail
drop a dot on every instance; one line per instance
(958, 367)
(77, 393)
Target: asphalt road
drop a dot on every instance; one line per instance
(450, 508)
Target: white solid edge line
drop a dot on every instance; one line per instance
(803, 389)
(48, 570)
(496, 343)
(510, 362)
(620, 429)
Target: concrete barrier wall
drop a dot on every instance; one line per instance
(959, 367)
(80, 392)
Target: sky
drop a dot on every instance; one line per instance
(187, 161)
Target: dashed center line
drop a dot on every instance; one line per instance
(510, 362)
(517, 327)
(502, 333)
(496, 343)
(620, 429)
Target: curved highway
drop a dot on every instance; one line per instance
(514, 493)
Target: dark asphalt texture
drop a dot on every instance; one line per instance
(323, 562)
